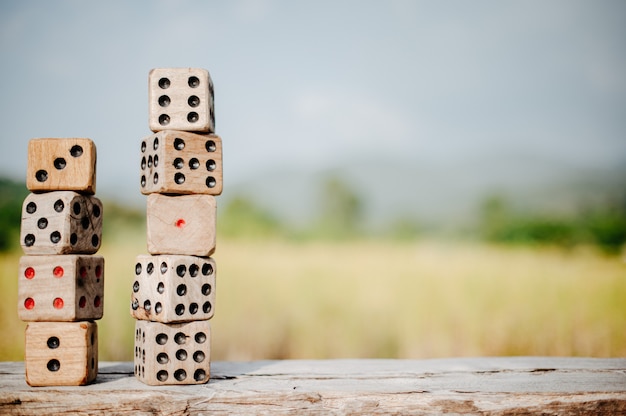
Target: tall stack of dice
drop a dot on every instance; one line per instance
(61, 282)
(173, 292)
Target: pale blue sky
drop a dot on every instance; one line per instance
(311, 84)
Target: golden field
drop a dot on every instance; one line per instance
(376, 298)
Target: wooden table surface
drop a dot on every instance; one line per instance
(507, 385)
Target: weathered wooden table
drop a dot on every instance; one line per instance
(515, 385)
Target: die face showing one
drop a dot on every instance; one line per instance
(60, 288)
(178, 162)
(181, 99)
(172, 353)
(61, 353)
(172, 288)
(61, 164)
(183, 224)
(61, 222)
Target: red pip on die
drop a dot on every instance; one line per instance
(61, 288)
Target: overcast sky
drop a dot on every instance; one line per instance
(310, 84)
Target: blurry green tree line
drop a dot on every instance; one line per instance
(603, 225)
(12, 194)
(341, 216)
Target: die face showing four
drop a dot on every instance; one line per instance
(61, 353)
(61, 288)
(61, 222)
(172, 288)
(178, 162)
(172, 353)
(183, 224)
(181, 99)
(61, 164)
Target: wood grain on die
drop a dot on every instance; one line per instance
(61, 222)
(178, 162)
(60, 288)
(181, 99)
(172, 353)
(172, 288)
(183, 224)
(61, 164)
(61, 353)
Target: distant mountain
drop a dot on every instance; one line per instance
(437, 194)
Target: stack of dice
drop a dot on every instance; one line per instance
(173, 292)
(61, 282)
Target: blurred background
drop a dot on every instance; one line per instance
(406, 179)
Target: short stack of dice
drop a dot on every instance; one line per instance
(61, 281)
(173, 291)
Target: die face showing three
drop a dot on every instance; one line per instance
(183, 224)
(61, 222)
(61, 288)
(181, 99)
(61, 164)
(172, 353)
(61, 353)
(178, 162)
(172, 288)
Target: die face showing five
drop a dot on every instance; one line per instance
(61, 222)
(183, 224)
(61, 353)
(178, 162)
(172, 288)
(181, 99)
(61, 164)
(172, 353)
(61, 288)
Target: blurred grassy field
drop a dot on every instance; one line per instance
(370, 299)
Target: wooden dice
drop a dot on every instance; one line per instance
(61, 164)
(178, 162)
(172, 353)
(171, 288)
(61, 222)
(60, 288)
(60, 281)
(181, 99)
(61, 353)
(182, 224)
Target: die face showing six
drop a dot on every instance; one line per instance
(61, 288)
(178, 162)
(181, 99)
(61, 222)
(61, 164)
(61, 353)
(183, 224)
(172, 353)
(172, 288)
